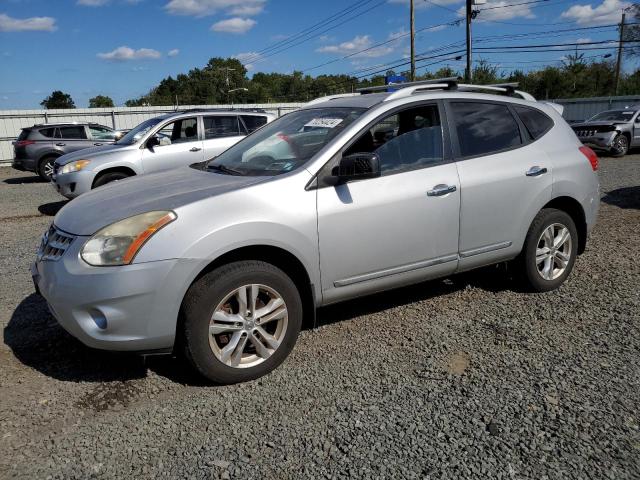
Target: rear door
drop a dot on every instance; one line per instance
(73, 138)
(181, 145)
(220, 132)
(505, 178)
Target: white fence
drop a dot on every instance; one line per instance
(12, 121)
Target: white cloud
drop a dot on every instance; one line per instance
(361, 42)
(583, 40)
(244, 56)
(173, 53)
(489, 12)
(124, 53)
(609, 11)
(201, 8)
(235, 25)
(92, 3)
(32, 24)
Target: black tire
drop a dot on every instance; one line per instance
(45, 168)
(108, 178)
(205, 295)
(620, 145)
(526, 264)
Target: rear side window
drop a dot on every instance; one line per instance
(253, 122)
(73, 132)
(221, 126)
(50, 132)
(536, 122)
(484, 128)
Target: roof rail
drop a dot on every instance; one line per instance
(449, 82)
(330, 97)
(230, 109)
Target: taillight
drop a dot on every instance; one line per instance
(24, 143)
(591, 156)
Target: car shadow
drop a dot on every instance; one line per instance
(18, 180)
(50, 209)
(626, 197)
(39, 342)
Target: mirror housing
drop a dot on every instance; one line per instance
(158, 141)
(357, 166)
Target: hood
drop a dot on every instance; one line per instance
(89, 153)
(598, 123)
(167, 190)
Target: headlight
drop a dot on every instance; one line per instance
(118, 243)
(74, 166)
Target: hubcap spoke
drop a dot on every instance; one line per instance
(236, 356)
(542, 254)
(561, 238)
(228, 350)
(261, 350)
(225, 322)
(272, 307)
(547, 270)
(270, 340)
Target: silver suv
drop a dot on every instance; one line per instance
(37, 148)
(343, 198)
(162, 143)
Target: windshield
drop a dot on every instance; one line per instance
(285, 144)
(614, 115)
(138, 132)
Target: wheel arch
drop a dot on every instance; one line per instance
(121, 169)
(573, 208)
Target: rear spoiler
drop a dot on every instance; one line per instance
(556, 106)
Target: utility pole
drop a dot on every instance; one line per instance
(619, 61)
(413, 41)
(468, 72)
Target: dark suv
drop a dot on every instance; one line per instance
(37, 147)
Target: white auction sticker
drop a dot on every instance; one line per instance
(324, 122)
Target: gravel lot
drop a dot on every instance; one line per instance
(459, 378)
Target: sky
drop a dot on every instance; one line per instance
(123, 48)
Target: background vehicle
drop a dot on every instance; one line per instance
(612, 131)
(226, 261)
(161, 143)
(37, 147)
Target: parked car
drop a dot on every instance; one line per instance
(613, 131)
(226, 261)
(161, 143)
(37, 147)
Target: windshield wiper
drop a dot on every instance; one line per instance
(225, 169)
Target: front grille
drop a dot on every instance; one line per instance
(54, 243)
(585, 133)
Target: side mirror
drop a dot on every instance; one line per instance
(357, 166)
(118, 135)
(157, 141)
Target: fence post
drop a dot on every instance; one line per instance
(113, 119)
(46, 119)
(279, 111)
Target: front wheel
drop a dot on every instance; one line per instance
(241, 321)
(550, 250)
(45, 168)
(620, 146)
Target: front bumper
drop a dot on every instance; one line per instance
(602, 141)
(73, 184)
(128, 308)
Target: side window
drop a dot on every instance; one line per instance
(101, 133)
(48, 132)
(73, 133)
(406, 140)
(221, 126)
(253, 122)
(484, 128)
(536, 122)
(181, 131)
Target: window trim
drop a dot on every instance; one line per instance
(529, 134)
(455, 142)
(447, 157)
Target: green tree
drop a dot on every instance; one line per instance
(100, 101)
(58, 99)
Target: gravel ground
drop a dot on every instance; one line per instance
(458, 378)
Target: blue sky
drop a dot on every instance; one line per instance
(122, 48)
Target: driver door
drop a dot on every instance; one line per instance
(180, 144)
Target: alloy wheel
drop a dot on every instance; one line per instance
(553, 252)
(620, 145)
(248, 326)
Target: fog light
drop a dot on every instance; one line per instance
(99, 319)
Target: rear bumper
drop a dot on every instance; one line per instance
(24, 164)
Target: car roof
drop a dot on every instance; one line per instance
(64, 124)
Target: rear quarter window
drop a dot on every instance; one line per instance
(536, 122)
(24, 134)
(253, 122)
(51, 132)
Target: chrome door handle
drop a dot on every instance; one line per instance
(195, 149)
(440, 190)
(536, 171)
(60, 144)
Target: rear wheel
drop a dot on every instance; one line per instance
(241, 321)
(45, 168)
(108, 178)
(620, 145)
(549, 252)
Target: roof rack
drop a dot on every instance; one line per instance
(330, 97)
(448, 83)
(251, 110)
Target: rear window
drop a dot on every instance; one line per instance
(73, 132)
(484, 128)
(536, 122)
(51, 132)
(253, 122)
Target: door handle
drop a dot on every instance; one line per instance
(195, 149)
(440, 190)
(536, 171)
(98, 144)
(60, 144)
